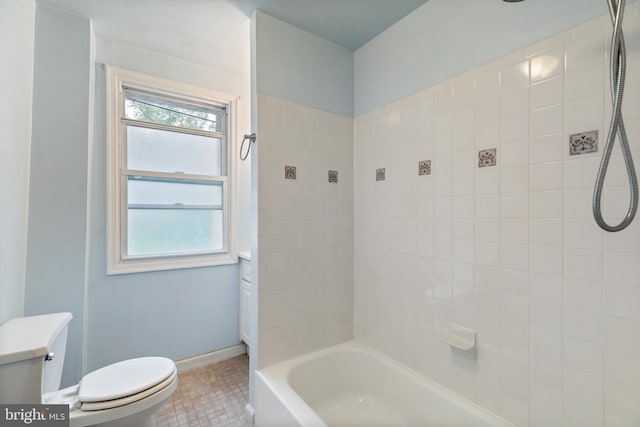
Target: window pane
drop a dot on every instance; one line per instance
(167, 231)
(167, 192)
(165, 151)
(154, 109)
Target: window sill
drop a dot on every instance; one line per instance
(163, 264)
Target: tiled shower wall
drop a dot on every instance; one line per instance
(509, 250)
(305, 229)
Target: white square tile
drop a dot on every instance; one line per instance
(488, 328)
(486, 205)
(622, 301)
(584, 114)
(488, 110)
(546, 204)
(546, 176)
(465, 161)
(487, 278)
(515, 257)
(583, 264)
(583, 82)
(463, 273)
(463, 117)
(487, 302)
(514, 282)
(585, 52)
(547, 93)
(547, 148)
(514, 179)
(583, 234)
(463, 139)
(443, 143)
(583, 386)
(547, 64)
(514, 205)
(487, 229)
(514, 76)
(581, 172)
(545, 316)
(621, 268)
(515, 153)
(546, 407)
(514, 335)
(463, 251)
(487, 180)
(583, 355)
(486, 253)
(463, 183)
(515, 309)
(515, 231)
(515, 128)
(487, 85)
(463, 228)
(622, 333)
(545, 232)
(583, 294)
(622, 399)
(515, 362)
(579, 413)
(546, 345)
(545, 372)
(620, 365)
(514, 102)
(545, 260)
(463, 206)
(577, 203)
(583, 325)
(546, 121)
(546, 288)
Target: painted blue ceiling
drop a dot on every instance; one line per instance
(349, 23)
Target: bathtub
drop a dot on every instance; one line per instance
(354, 385)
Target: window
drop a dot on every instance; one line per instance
(169, 174)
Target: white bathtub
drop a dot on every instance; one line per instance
(354, 385)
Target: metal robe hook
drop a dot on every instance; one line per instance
(252, 138)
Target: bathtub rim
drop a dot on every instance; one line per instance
(276, 378)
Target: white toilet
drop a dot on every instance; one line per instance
(125, 394)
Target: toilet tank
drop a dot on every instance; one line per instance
(32, 356)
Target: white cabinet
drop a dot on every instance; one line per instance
(245, 295)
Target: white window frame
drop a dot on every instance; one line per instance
(117, 263)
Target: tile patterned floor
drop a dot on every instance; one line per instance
(214, 395)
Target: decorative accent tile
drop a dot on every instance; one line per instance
(584, 142)
(380, 174)
(333, 176)
(424, 167)
(290, 172)
(487, 158)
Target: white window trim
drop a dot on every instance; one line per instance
(116, 264)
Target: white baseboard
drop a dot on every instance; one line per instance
(210, 358)
(250, 413)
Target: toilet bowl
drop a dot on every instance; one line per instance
(124, 394)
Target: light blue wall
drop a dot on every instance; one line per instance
(16, 87)
(299, 67)
(179, 313)
(444, 38)
(55, 269)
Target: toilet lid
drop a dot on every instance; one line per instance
(108, 404)
(125, 378)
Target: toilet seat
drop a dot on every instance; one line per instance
(114, 403)
(124, 382)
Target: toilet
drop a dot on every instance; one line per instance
(124, 394)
